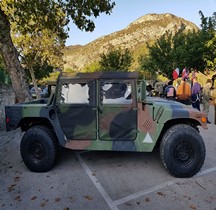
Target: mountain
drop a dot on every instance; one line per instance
(134, 37)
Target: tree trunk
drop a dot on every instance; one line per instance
(34, 82)
(11, 60)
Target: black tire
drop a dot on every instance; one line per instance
(182, 151)
(39, 148)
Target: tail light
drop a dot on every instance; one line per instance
(7, 120)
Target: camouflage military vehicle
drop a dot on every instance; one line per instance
(105, 111)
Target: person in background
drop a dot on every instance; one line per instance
(170, 91)
(214, 97)
(44, 93)
(214, 102)
(206, 97)
(149, 89)
(193, 74)
(195, 94)
(183, 92)
(164, 87)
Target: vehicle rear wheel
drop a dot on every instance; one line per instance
(182, 151)
(39, 149)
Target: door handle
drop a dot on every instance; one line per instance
(95, 109)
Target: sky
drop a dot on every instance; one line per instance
(127, 11)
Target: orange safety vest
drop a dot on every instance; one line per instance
(183, 91)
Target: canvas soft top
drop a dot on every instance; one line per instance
(100, 75)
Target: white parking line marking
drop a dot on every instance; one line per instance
(113, 204)
(207, 171)
(144, 192)
(158, 187)
(104, 194)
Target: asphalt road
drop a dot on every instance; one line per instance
(104, 180)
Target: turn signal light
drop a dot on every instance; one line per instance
(203, 119)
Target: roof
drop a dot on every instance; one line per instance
(100, 75)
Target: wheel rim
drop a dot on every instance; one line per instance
(37, 150)
(184, 153)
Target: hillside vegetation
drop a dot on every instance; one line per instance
(134, 37)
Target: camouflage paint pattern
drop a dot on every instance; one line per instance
(132, 126)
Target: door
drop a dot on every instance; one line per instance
(117, 110)
(77, 109)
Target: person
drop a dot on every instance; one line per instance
(195, 94)
(170, 91)
(44, 93)
(183, 92)
(206, 94)
(149, 89)
(33, 93)
(193, 74)
(164, 87)
(214, 103)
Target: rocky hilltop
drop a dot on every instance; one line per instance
(147, 28)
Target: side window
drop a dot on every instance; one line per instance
(116, 93)
(76, 93)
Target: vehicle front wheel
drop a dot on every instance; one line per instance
(39, 149)
(182, 151)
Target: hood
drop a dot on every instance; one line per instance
(165, 110)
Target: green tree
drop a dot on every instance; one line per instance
(211, 57)
(93, 67)
(208, 25)
(181, 50)
(32, 16)
(39, 53)
(146, 67)
(188, 50)
(116, 60)
(159, 59)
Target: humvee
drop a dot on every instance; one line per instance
(108, 111)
